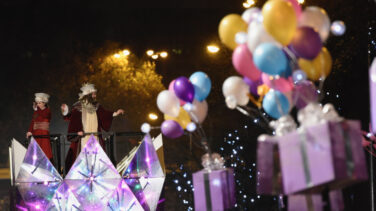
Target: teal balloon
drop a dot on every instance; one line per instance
(270, 59)
(271, 101)
(202, 84)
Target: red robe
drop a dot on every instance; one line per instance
(75, 125)
(40, 126)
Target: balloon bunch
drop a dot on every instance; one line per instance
(183, 104)
(276, 49)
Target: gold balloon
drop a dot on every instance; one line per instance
(280, 20)
(319, 66)
(229, 26)
(183, 118)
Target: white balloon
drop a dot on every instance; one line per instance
(145, 128)
(199, 111)
(251, 14)
(191, 127)
(257, 35)
(188, 107)
(338, 28)
(241, 38)
(168, 103)
(316, 18)
(236, 87)
(231, 102)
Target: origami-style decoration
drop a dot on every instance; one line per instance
(92, 178)
(144, 175)
(16, 157)
(37, 179)
(63, 200)
(124, 199)
(36, 167)
(37, 195)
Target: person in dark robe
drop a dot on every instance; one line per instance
(86, 116)
(40, 123)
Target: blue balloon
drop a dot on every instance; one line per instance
(202, 84)
(270, 59)
(288, 71)
(271, 103)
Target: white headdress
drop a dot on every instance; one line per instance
(41, 97)
(86, 89)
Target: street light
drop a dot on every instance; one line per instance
(154, 56)
(117, 55)
(149, 52)
(126, 52)
(248, 3)
(153, 116)
(212, 49)
(163, 54)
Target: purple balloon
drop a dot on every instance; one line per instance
(253, 85)
(306, 43)
(184, 89)
(304, 93)
(171, 129)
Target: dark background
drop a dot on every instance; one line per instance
(46, 45)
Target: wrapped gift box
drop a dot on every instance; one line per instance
(309, 202)
(336, 200)
(306, 159)
(348, 155)
(214, 190)
(332, 200)
(269, 180)
(324, 154)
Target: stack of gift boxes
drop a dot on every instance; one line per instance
(323, 155)
(214, 186)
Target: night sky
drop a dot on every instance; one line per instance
(45, 44)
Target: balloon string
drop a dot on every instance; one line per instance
(201, 134)
(256, 112)
(291, 55)
(322, 78)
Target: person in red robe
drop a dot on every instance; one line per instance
(86, 116)
(40, 123)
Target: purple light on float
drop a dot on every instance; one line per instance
(63, 199)
(92, 177)
(145, 178)
(36, 167)
(139, 166)
(124, 199)
(37, 195)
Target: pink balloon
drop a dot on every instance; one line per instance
(297, 8)
(171, 89)
(281, 84)
(242, 60)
